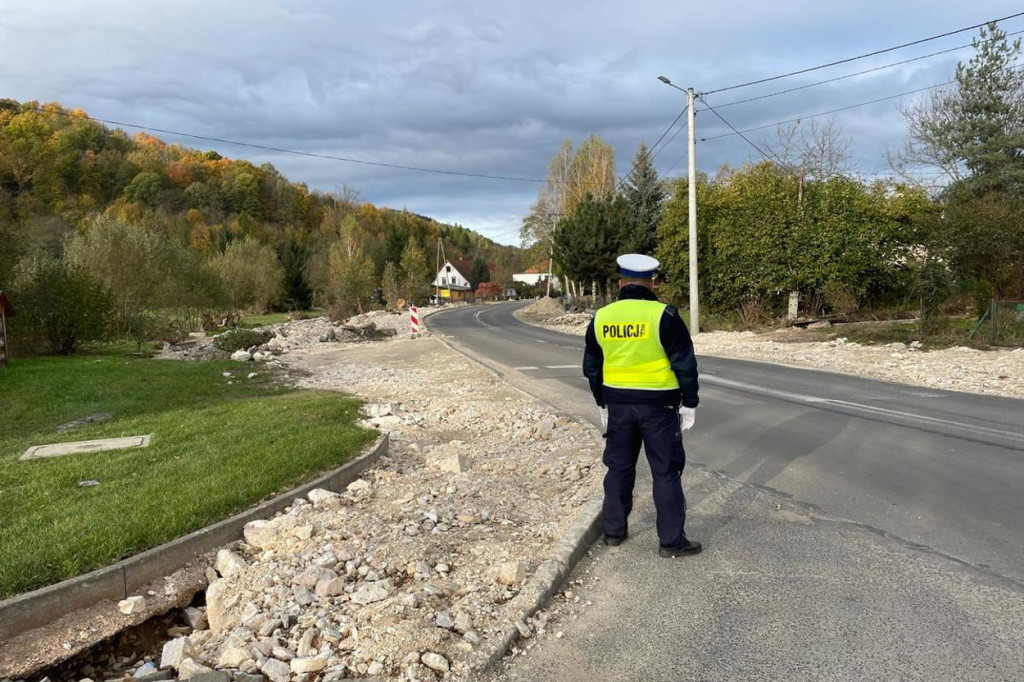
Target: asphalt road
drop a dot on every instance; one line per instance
(873, 530)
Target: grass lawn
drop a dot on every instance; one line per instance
(217, 448)
(263, 320)
(251, 321)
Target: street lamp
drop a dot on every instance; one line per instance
(692, 144)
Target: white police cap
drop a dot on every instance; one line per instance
(637, 265)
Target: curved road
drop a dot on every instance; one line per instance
(937, 469)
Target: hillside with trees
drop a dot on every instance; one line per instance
(158, 234)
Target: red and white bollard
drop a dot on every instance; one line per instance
(414, 318)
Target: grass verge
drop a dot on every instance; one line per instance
(219, 446)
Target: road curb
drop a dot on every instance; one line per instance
(545, 581)
(568, 549)
(34, 609)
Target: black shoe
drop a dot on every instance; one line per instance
(689, 549)
(613, 541)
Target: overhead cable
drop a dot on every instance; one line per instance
(767, 156)
(851, 75)
(863, 56)
(839, 109)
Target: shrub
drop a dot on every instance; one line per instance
(240, 339)
(251, 275)
(840, 298)
(59, 306)
(753, 313)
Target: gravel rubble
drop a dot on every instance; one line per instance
(413, 570)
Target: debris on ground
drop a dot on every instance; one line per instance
(544, 308)
(287, 337)
(413, 571)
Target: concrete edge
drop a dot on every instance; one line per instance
(545, 581)
(116, 582)
(569, 548)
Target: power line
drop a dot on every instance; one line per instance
(851, 75)
(863, 56)
(745, 138)
(282, 150)
(839, 109)
(651, 153)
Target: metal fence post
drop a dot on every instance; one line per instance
(994, 334)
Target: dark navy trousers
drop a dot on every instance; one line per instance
(657, 428)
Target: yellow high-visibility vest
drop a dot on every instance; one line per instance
(629, 335)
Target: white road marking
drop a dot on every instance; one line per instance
(524, 368)
(539, 341)
(872, 409)
(476, 318)
(562, 366)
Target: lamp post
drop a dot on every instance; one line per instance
(692, 144)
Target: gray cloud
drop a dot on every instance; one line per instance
(476, 87)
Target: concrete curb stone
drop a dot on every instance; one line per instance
(550, 575)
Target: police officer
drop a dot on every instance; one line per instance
(643, 374)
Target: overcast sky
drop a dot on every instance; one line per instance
(475, 87)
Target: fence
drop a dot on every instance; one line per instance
(1002, 324)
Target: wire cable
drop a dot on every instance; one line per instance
(851, 75)
(863, 56)
(839, 109)
(763, 153)
(282, 150)
(652, 151)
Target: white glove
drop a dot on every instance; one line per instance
(603, 412)
(687, 416)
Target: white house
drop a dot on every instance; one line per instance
(536, 275)
(452, 280)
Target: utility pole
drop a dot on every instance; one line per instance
(692, 243)
(551, 259)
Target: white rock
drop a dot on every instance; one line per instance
(308, 665)
(190, 668)
(512, 573)
(176, 651)
(134, 604)
(374, 669)
(233, 657)
(380, 410)
(454, 464)
(463, 622)
(217, 607)
(369, 593)
(435, 662)
(358, 485)
(196, 618)
(259, 534)
(320, 496)
(303, 532)
(331, 587)
(444, 620)
(229, 563)
(241, 356)
(313, 575)
(276, 671)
